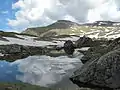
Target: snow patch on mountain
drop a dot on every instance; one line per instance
(28, 41)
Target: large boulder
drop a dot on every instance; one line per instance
(103, 72)
(114, 44)
(84, 42)
(69, 47)
(94, 53)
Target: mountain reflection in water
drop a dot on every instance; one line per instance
(39, 70)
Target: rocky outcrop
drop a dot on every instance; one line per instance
(101, 67)
(99, 49)
(84, 42)
(115, 44)
(103, 72)
(69, 47)
(13, 51)
(94, 53)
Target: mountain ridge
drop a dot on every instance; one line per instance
(60, 24)
(65, 24)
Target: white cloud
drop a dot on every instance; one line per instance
(106, 11)
(43, 12)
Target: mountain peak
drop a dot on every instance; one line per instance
(66, 21)
(63, 24)
(59, 24)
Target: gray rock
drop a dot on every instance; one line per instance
(84, 42)
(99, 49)
(115, 44)
(7, 49)
(94, 53)
(103, 72)
(69, 47)
(13, 51)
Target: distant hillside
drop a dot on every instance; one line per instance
(68, 28)
(12, 34)
(103, 23)
(60, 24)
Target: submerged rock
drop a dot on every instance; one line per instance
(103, 72)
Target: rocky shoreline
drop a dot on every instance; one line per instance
(101, 69)
(14, 51)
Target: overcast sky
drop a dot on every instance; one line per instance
(17, 15)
